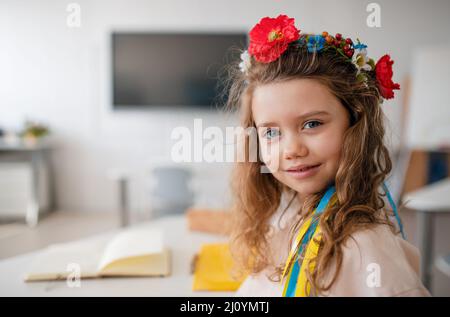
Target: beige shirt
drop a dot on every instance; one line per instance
(376, 262)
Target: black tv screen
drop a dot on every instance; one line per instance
(171, 69)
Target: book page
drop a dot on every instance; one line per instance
(155, 265)
(58, 260)
(132, 243)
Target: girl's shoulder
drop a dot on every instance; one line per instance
(378, 262)
(380, 243)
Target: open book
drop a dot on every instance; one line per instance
(134, 252)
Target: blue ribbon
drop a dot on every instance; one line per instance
(394, 208)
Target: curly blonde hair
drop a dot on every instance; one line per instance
(365, 163)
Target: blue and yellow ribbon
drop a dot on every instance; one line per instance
(309, 237)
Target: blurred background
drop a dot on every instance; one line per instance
(91, 91)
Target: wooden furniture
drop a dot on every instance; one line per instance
(209, 220)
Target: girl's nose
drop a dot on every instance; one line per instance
(293, 148)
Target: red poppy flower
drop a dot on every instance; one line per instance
(383, 70)
(271, 36)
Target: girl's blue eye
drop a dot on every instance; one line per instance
(310, 122)
(271, 133)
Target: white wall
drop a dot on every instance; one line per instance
(60, 75)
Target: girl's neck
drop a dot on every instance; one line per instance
(302, 197)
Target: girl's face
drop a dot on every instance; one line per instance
(300, 122)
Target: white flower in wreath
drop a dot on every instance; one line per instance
(360, 59)
(245, 62)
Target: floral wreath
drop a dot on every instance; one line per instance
(270, 38)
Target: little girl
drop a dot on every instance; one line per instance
(309, 214)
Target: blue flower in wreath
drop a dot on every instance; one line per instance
(315, 43)
(359, 46)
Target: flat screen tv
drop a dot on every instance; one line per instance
(171, 69)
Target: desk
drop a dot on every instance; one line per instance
(182, 243)
(428, 201)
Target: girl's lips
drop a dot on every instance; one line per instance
(304, 174)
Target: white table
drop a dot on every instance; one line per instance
(183, 244)
(428, 201)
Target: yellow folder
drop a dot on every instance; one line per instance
(212, 269)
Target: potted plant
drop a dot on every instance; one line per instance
(33, 131)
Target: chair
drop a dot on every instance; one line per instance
(171, 193)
